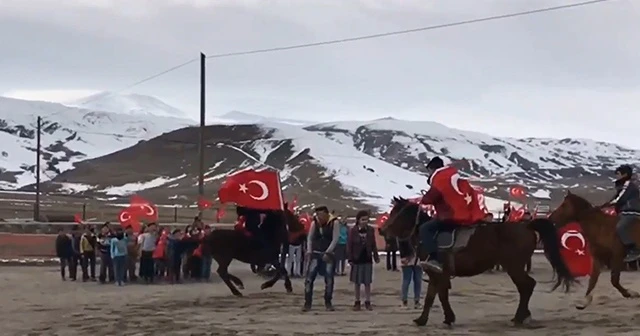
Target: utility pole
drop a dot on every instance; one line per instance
(36, 205)
(203, 60)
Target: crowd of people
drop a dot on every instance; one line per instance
(157, 255)
(154, 254)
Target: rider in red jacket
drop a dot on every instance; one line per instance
(455, 202)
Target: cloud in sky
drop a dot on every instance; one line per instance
(570, 73)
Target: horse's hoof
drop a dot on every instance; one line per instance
(237, 294)
(584, 302)
(634, 294)
(240, 286)
(420, 322)
(448, 324)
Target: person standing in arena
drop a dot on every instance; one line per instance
(321, 243)
(106, 263)
(64, 251)
(361, 251)
(341, 248)
(147, 246)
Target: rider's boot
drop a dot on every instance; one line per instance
(633, 253)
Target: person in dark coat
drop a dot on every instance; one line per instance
(64, 252)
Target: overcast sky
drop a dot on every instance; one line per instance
(570, 73)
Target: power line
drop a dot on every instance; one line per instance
(142, 81)
(407, 31)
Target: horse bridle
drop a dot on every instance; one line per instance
(415, 223)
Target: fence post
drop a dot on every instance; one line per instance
(175, 213)
(84, 211)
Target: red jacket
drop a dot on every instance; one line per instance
(453, 198)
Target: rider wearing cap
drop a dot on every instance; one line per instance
(455, 202)
(627, 205)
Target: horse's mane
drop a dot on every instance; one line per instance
(579, 202)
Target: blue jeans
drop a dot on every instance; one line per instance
(319, 266)
(206, 267)
(411, 273)
(428, 233)
(119, 268)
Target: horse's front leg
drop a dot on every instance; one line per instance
(593, 280)
(280, 271)
(432, 290)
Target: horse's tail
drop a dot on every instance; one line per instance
(549, 237)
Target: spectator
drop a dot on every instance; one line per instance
(321, 243)
(118, 250)
(147, 246)
(341, 248)
(294, 258)
(132, 254)
(88, 242)
(76, 259)
(207, 259)
(411, 271)
(175, 249)
(64, 251)
(391, 247)
(104, 248)
(361, 250)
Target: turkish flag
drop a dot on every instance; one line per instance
(381, 219)
(575, 250)
(516, 215)
(253, 189)
(481, 200)
(204, 203)
(219, 214)
(77, 218)
(305, 220)
(241, 226)
(128, 217)
(610, 211)
(293, 203)
(517, 192)
(143, 209)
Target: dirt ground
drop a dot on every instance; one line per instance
(35, 302)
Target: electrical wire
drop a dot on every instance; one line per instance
(408, 31)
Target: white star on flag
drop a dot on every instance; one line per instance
(580, 252)
(243, 188)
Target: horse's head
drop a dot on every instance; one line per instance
(402, 218)
(572, 209)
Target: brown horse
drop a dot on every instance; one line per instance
(600, 231)
(470, 251)
(279, 226)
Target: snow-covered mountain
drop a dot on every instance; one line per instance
(131, 104)
(69, 135)
(341, 164)
(243, 117)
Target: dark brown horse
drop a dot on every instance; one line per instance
(600, 231)
(226, 245)
(477, 249)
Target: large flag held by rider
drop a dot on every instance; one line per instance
(253, 189)
(575, 250)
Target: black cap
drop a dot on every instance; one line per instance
(435, 163)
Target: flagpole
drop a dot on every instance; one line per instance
(203, 60)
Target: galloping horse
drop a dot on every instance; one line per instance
(473, 250)
(278, 227)
(600, 231)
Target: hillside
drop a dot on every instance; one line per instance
(69, 135)
(348, 164)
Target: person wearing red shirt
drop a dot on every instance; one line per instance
(455, 203)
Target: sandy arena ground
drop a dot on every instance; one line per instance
(35, 302)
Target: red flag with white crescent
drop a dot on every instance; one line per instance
(143, 209)
(575, 250)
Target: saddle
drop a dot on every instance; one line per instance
(455, 237)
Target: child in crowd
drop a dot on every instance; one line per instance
(119, 255)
